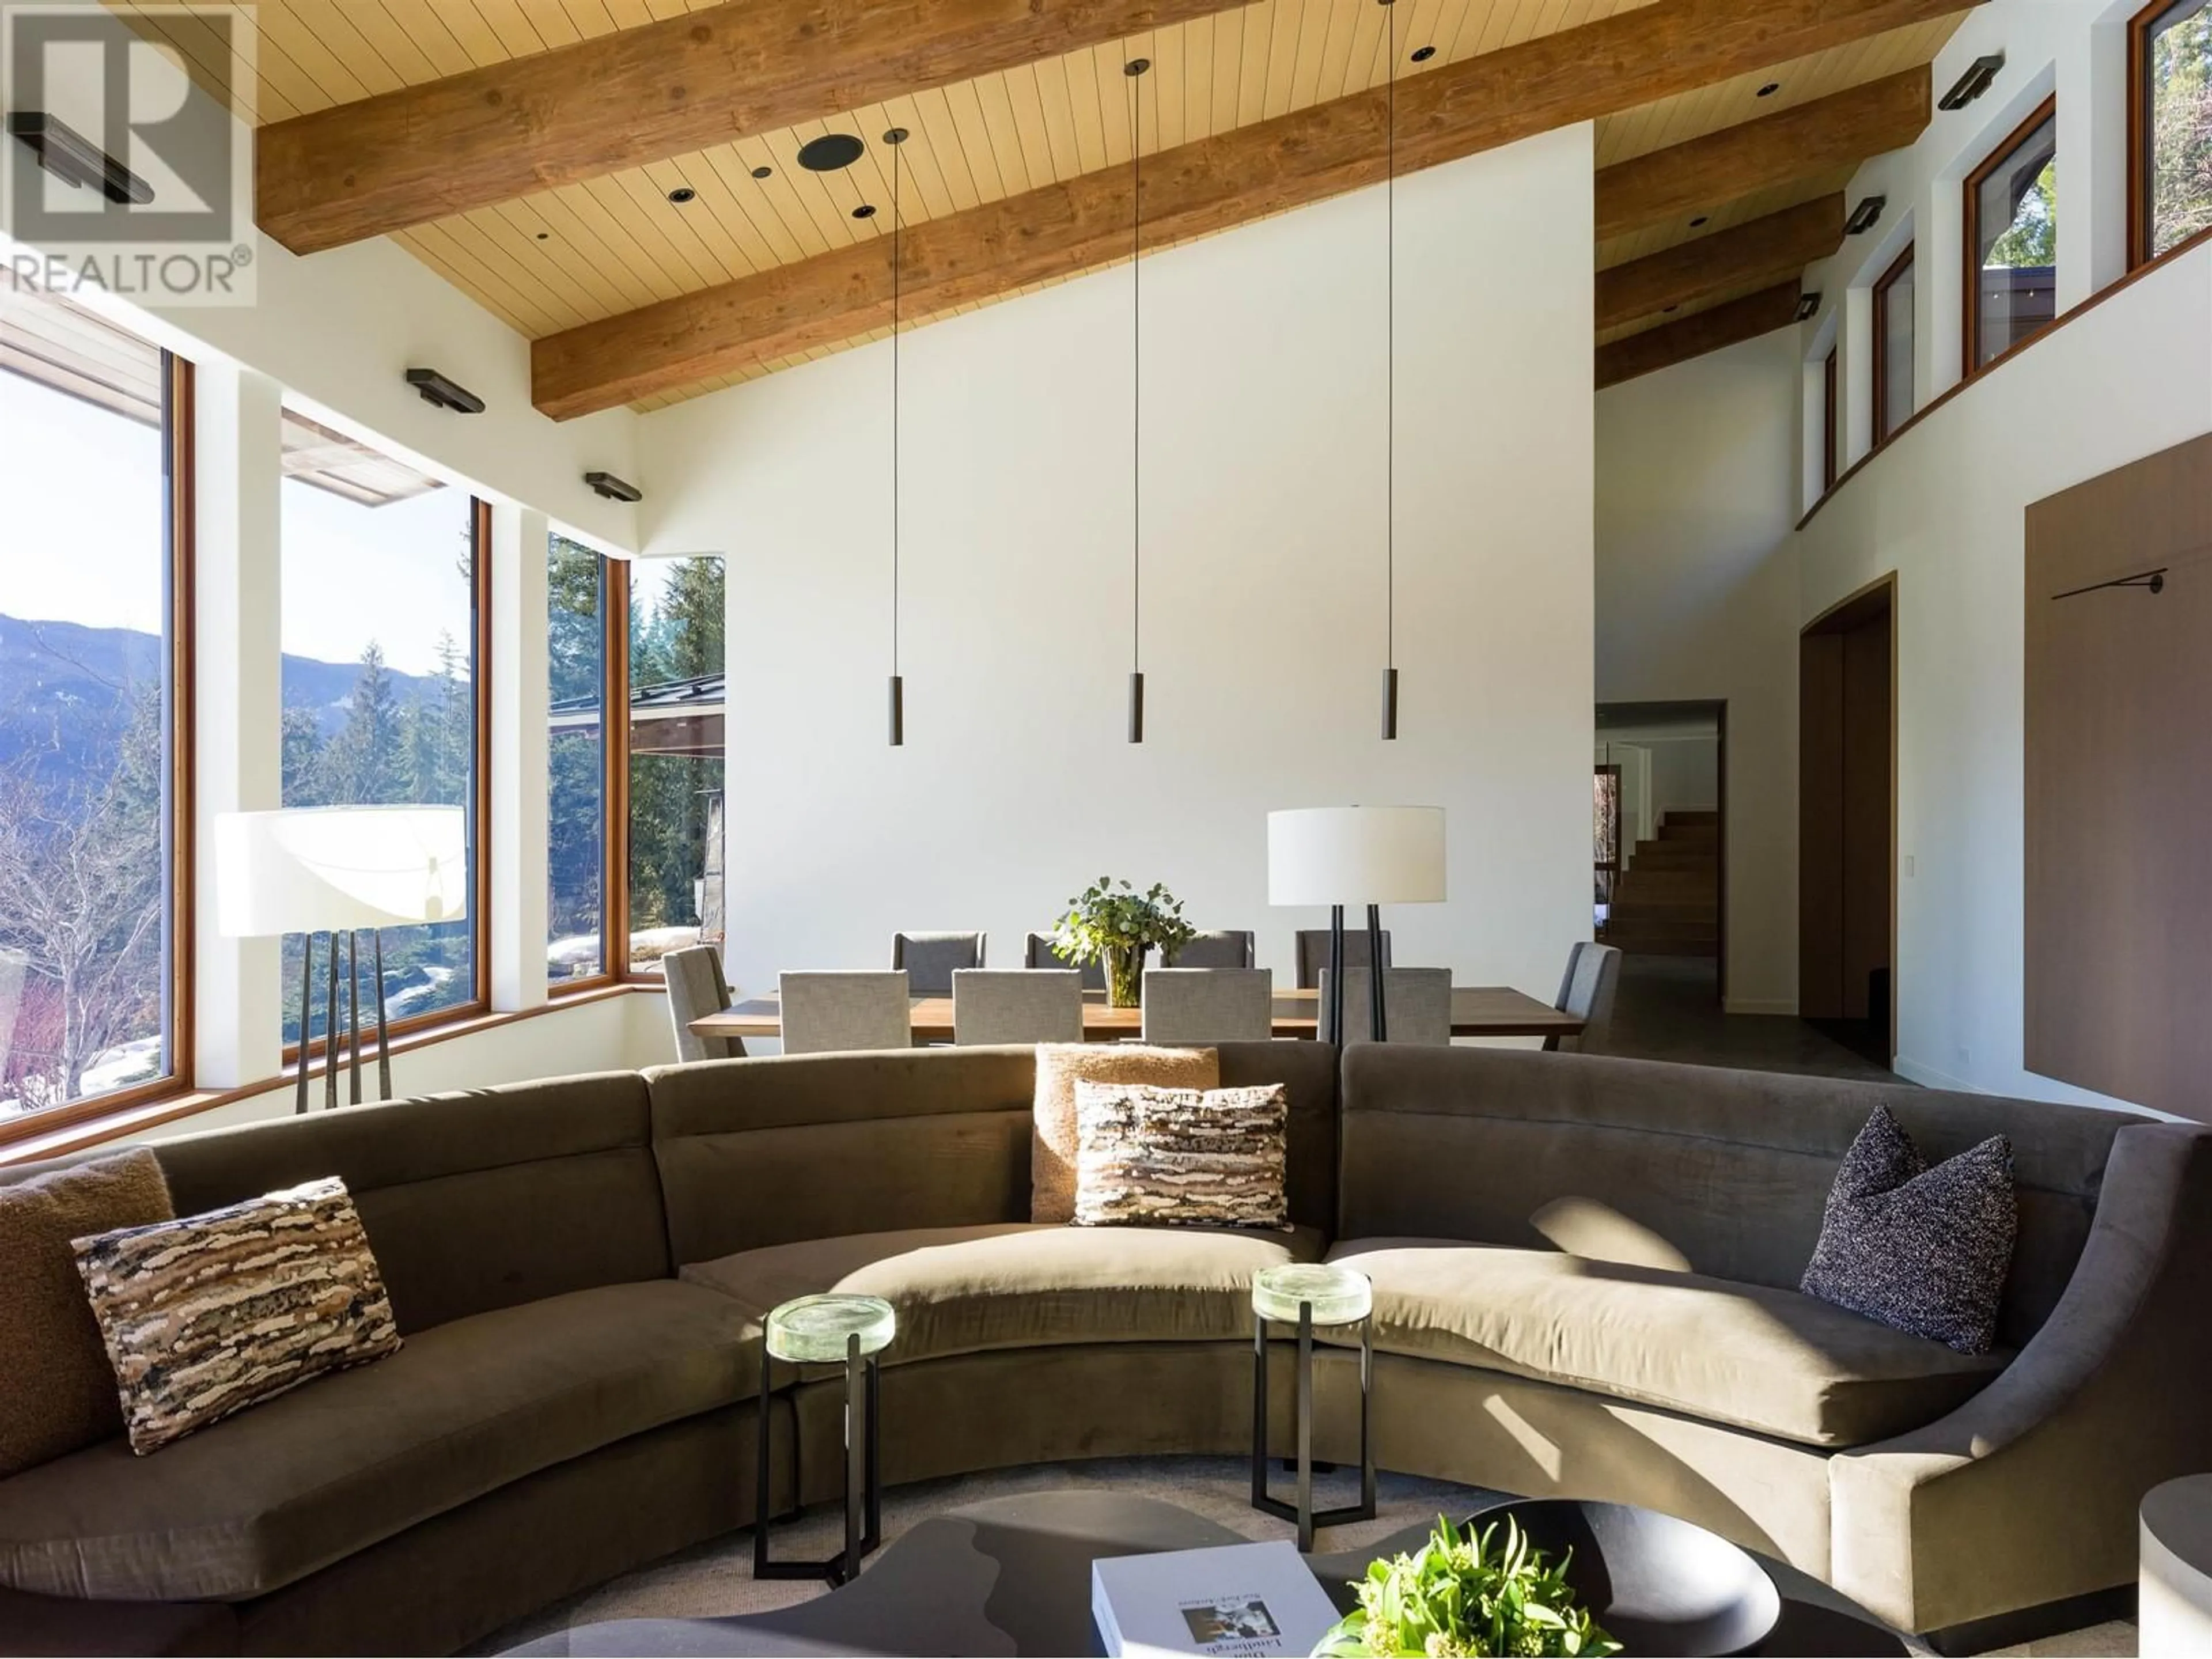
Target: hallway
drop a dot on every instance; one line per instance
(1669, 1008)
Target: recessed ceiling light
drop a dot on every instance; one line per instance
(830, 152)
(1770, 88)
(1671, 310)
(543, 235)
(1701, 220)
(682, 194)
(762, 173)
(1425, 54)
(865, 210)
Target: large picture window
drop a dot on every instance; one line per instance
(2011, 240)
(384, 614)
(1892, 348)
(94, 660)
(585, 599)
(676, 724)
(2171, 103)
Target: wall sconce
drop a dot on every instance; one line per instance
(1865, 216)
(608, 487)
(443, 393)
(1974, 83)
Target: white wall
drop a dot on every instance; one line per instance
(1684, 776)
(1263, 594)
(1697, 598)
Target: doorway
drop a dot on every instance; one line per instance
(1661, 796)
(1847, 821)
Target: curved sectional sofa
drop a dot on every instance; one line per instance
(1584, 1274)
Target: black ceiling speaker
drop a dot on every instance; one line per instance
(1865, 216)
(446, 394)
(606, 485)
(831, 153)
(70, 156)
(1974, 83)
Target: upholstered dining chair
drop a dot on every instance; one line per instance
(830, 1009)
(931, 959)
(1040, 954)
(1313, 952)
(1592, 981)
(1418, 1001)
(1185, 1007)
(1022, 1005)
(696, 989)
(1232, 948)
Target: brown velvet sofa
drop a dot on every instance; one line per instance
(1584, 1272)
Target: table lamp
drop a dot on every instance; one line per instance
(340, 870)
(1370, 855)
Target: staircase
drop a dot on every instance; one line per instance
(1667, 902)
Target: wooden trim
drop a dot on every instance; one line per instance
(1831, 420)
(38, 1135)
(1698, 272)
(181, 454)
(614, 783)
(1882, 285)
(480, 561)
(1655, 349)
(1971, 243)
(2111, 291)
(2141, 138)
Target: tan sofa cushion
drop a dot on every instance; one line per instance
(1054, 1139)
(269, 1496)
(1772, 1361)
(961, 1290)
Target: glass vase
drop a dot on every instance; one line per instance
(1125, 977)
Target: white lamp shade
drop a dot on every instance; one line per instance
(332, 868)
(1356, 855)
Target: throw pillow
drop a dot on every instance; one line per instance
(1059, 1068)
(207, 1316)
(57, 1394)
(1180, 1157)
(1920, 1250)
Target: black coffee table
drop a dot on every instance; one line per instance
(1012, 1576)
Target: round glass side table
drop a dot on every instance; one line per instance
(1310, 1295)
(829, 1330)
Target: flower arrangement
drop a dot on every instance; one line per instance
(1111, 922)
(1460, 1596)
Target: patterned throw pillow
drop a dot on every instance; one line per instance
(1059, 1068)
(206, 1316)
(1180, 1157)
(1920, 1250)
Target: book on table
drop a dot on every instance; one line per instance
(1250, 1601)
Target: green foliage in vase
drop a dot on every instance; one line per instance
(1479, 1593)
(1113, 915)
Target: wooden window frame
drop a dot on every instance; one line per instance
(1883, 431)
(2141, 138)
(614, 793)
(1970, 295)
(479, 1002)
(181, 924)
(1831, 437)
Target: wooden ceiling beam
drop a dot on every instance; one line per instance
(1695, 273)
(1574, 74)
(1675, 184)
(643, 95)
(1693, 336)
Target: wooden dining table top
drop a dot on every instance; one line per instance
(1477, 1010)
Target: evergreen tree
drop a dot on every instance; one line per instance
(365, 765)
(301, 747)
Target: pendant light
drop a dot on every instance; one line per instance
(1134, 69)
(1391, 396)
(896, 137)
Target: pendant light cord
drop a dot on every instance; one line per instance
(1136, 383)
(1390, 361)
(897, 229)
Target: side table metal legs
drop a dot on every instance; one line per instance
(1303, 1511)
(863, 1476)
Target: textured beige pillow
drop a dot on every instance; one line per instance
(56, 1394)
(1180, 1157)
(1060, 1066)
(207, 1316)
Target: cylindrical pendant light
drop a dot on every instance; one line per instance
(895, 138)
(1390, 396)
(1133, 69)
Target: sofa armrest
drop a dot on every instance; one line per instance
(2027, 1493)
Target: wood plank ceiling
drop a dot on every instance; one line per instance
(581, 253)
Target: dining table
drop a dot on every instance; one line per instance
(1477, 1010)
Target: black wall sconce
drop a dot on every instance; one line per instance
(1974, 83)
(446, 394)
(70, 156)
(609, 487)
(1809, 305)
(1865, 216)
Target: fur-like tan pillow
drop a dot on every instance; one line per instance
(57, 1393)
(1054, 1139)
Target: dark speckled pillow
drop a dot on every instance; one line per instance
(1922, 1250)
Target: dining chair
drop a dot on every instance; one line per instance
(1417, 999)
(697, 989)
(931, 959)
(1022, 1005)
(1313, 952)
(1232, 948)
(829, 1010)
(1592, 981)
(1185, 1007)
(1040, 954)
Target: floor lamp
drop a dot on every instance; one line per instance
(1370, 855)
(341, 872)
